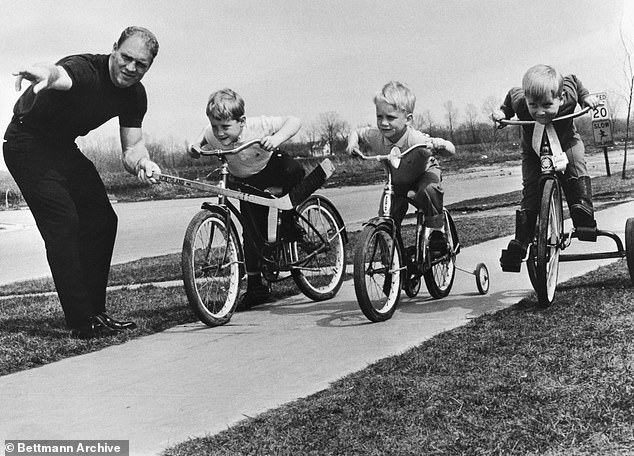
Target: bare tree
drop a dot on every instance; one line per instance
(471, 118)
(424, 122)
(490, 105)
(613, 103)
(451, 116)
(332, 129)
(628, 72)
(312, 135)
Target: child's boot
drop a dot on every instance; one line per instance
(581, 208)
(257, 293)
(511, 259)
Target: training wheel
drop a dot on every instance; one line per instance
(482, 278)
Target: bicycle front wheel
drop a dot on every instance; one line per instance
(550, 229)
(377, 272)
(211, 267)
(439, 277)
(321, 275)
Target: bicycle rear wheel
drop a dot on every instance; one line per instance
(377, 272)
(550, 230)
(211, 267)
(439, 277)
(321, 275)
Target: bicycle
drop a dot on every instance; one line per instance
(212, 258)
(550, 239)
(383, 265)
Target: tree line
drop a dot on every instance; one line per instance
(469, 126)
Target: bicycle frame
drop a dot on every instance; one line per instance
(289, 259)
(542, 251)
(548, 172)
(422, 261)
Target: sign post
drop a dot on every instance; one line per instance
(602, 127)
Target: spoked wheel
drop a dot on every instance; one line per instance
(439, 277)
(550, 232)
(482, 278)
(321, 275)
(377, 272)
(629, 246)
(211, 267)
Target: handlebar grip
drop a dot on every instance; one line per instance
(194, 151)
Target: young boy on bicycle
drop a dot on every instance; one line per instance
(261, 166)
(419, 170)
(546, 94)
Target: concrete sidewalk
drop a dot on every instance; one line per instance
(191, 380)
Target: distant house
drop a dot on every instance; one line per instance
(320, 149)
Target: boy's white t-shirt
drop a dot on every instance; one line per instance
(252, 160)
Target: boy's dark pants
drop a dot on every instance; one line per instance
(281, 171)
(576, 184)
(73, 214)
(429, 195)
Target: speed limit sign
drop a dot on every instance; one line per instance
(601, 112)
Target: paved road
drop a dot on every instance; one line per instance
(192, 380)
(153, 228)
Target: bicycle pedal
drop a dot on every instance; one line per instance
(588, 234)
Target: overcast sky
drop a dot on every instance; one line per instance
(307, 57)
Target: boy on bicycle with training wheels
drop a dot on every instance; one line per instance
(419, 170)
(546, 94)
(260, 166)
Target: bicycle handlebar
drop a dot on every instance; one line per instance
(388, 157)
(504, 122)
(220, 152)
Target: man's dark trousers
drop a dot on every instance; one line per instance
(73, 214)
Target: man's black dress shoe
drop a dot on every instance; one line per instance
(113, 324)
(93, 329)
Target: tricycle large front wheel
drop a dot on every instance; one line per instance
(550, 232)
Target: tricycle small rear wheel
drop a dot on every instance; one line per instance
(482, 278)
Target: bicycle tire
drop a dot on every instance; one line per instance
(482, 278)
(440, 276)
(531, 263)
(210, 262)
(550, 228)
(377, 289)
(321, 276)
(629, 246)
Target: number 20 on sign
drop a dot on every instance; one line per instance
(601, 112)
